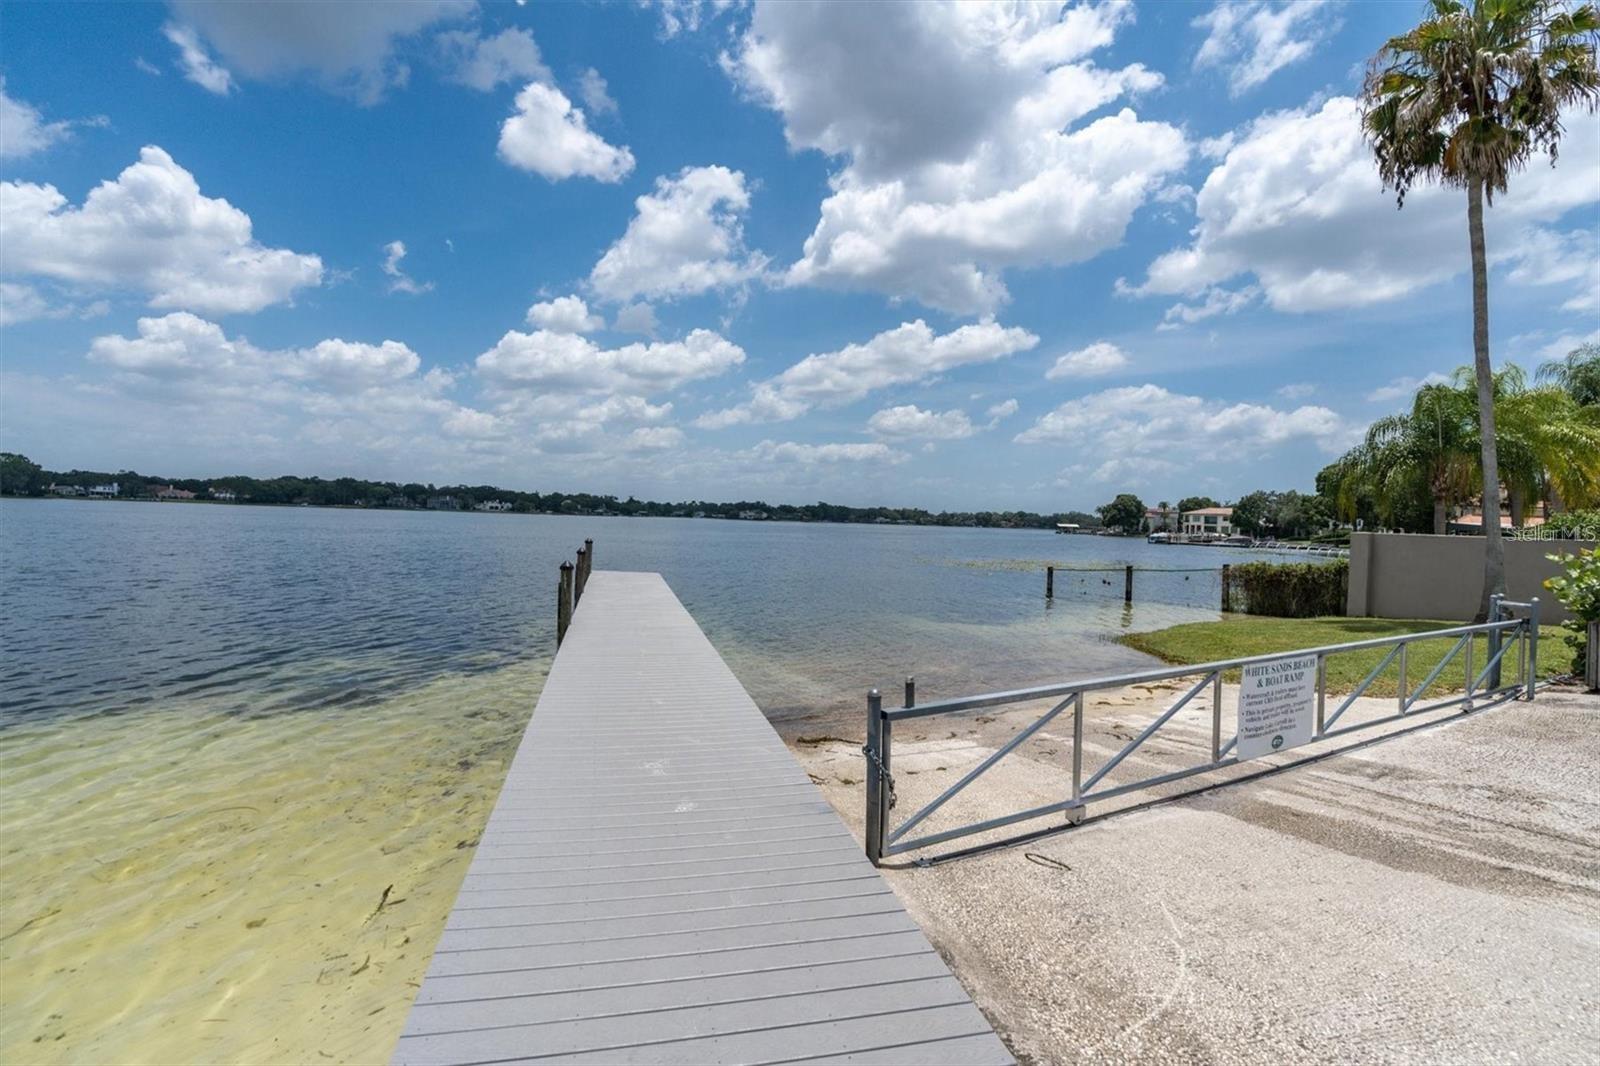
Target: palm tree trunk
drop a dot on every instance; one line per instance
(1494, 559)
(1519, 505)
(1439, 508)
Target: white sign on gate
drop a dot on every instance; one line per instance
(1277, 705)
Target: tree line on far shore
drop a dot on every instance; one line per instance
(20, 476)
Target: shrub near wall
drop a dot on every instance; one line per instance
(1289, 590)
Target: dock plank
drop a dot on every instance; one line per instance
(661, 882)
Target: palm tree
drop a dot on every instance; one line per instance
(1547, 443)
(1578, 374)
(1430, 447)
(1466, 98)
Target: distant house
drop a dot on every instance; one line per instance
(108, 491)
(400, 501)
(1161, 520)
(169, 492)
(66, 490)
(443, 503)
(1208, 522)
(753, 516)
(222, 494)
(493, 505)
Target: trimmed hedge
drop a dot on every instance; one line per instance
(1289, 590)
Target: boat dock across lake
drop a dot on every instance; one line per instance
(661, 882)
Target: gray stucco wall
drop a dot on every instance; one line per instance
(1401, 575)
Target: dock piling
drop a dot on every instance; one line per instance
(1226, 578)
(1127, 584)
(875, 782)
(1049, 582)
(563, 603)
(580, 576)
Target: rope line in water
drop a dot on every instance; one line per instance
(1139, 569)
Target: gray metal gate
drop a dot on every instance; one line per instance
(1511, 625)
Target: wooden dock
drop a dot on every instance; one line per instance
(660, 882)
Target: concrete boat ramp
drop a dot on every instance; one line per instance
(660, 882)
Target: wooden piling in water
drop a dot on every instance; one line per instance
(1127, 584)
(580, 577)
(1049, 582)
(1226, 578)
(563, 603)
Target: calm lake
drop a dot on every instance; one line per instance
(226, 731)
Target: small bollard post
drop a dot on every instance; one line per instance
(1049, 582)
(1127, 584)
(1216, 716)
(580, 576)
(1533, 646)
(1496, 613)
(1227, 577)
(911, 692)
(1591, 658)
(588, 554)
(875, 783)
(563, 603)
(1075, 814)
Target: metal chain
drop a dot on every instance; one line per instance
(888, 779)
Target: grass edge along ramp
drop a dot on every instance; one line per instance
(1238, 636)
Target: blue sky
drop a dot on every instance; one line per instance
(964, 257)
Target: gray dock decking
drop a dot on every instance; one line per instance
(660, 882)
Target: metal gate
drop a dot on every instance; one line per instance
(1511, 625)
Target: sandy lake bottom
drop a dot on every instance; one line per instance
(183, 884)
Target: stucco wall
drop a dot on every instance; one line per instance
(1399, 575)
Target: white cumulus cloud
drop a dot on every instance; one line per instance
(961, 127)
(1254, 39)
(551, 138)
(685, 237)
(564, 314)
(149, 230)
(1296, 204)
(1148, 416)
(1097, 360)
(907, 353)
(548, 361)
(182, 345)
(910, 422)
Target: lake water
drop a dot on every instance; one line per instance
(226, 731)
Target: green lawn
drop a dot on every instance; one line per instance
(1237, 636)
